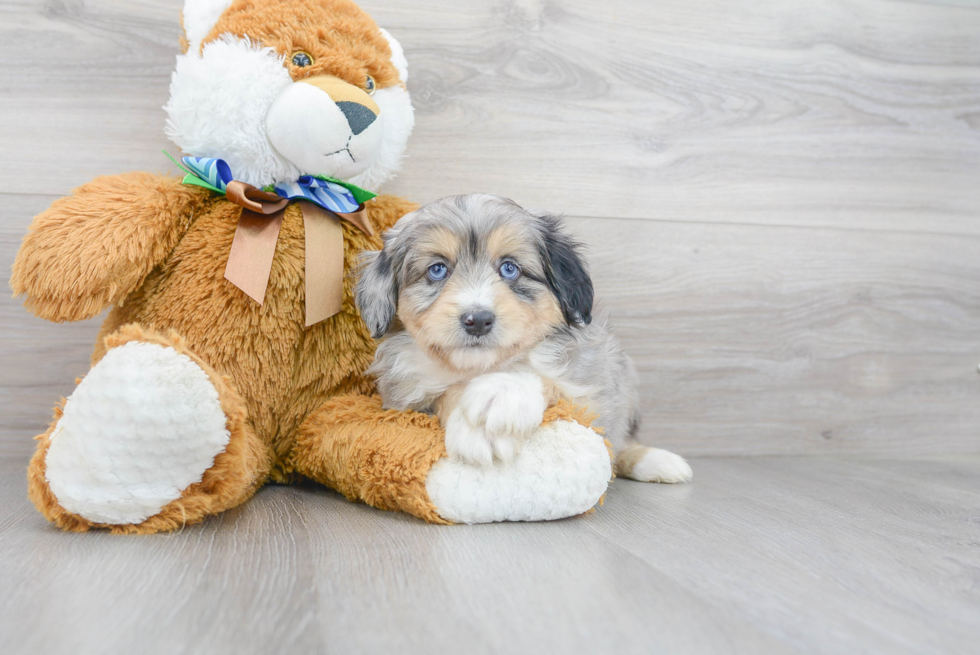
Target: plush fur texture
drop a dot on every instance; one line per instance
(563, 453)
(199, 18)
(399, 120)
(397, 461)
(206, 117)
(277, 371)
(91, 249)
(398, 59)
(122, 417)
(294, 400)
(367, 453)
(236, 474)
(282, 369)
(224, 92)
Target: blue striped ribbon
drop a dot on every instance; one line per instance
(329, 195)
(213, 171)
(326, 194)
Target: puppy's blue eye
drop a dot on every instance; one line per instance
(509, 271)
(438, 272)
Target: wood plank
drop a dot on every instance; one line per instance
(84, 86)
(749, 339)
(860, 114)
(39, 361)
(839, 531)
(768, 340)
(775, 555)
(852, 113)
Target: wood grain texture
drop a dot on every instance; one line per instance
(757, 555)
(39, 361)
(853, 113)
(769, 340)
(844, 113)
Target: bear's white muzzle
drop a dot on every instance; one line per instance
(326, 125)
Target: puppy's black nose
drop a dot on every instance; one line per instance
(477, 323)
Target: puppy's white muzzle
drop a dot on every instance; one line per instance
(327, 126)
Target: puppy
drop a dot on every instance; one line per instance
(487, 314)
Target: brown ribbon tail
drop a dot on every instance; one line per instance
(324, 263)
(252, 251)
(359, 219)
(254, 247)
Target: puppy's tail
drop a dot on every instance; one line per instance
(639, 462)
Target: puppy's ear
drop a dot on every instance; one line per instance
(566, 272)
(377, 291)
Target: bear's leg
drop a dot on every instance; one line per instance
(397, 460)
(150, 440)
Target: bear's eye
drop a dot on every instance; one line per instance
(302, 59)
(369, 85)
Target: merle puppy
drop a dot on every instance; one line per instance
(486, 314)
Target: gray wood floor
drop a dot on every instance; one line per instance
(757, 555)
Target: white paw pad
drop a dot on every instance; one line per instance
(142, 426)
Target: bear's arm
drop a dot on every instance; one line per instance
(91, 249)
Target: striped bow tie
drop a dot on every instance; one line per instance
(254, 246)
(331, 194)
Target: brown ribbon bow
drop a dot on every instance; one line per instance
(254, 247)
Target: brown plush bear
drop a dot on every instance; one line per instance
(233, 354)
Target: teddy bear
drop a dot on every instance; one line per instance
(233, 355)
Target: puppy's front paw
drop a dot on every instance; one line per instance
(495, 413)
(506, 404)
(473, 445)
(467, 442)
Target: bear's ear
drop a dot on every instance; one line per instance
(397, 55)
(199, 18)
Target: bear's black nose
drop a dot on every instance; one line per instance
(358, 116)
(477, 323)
